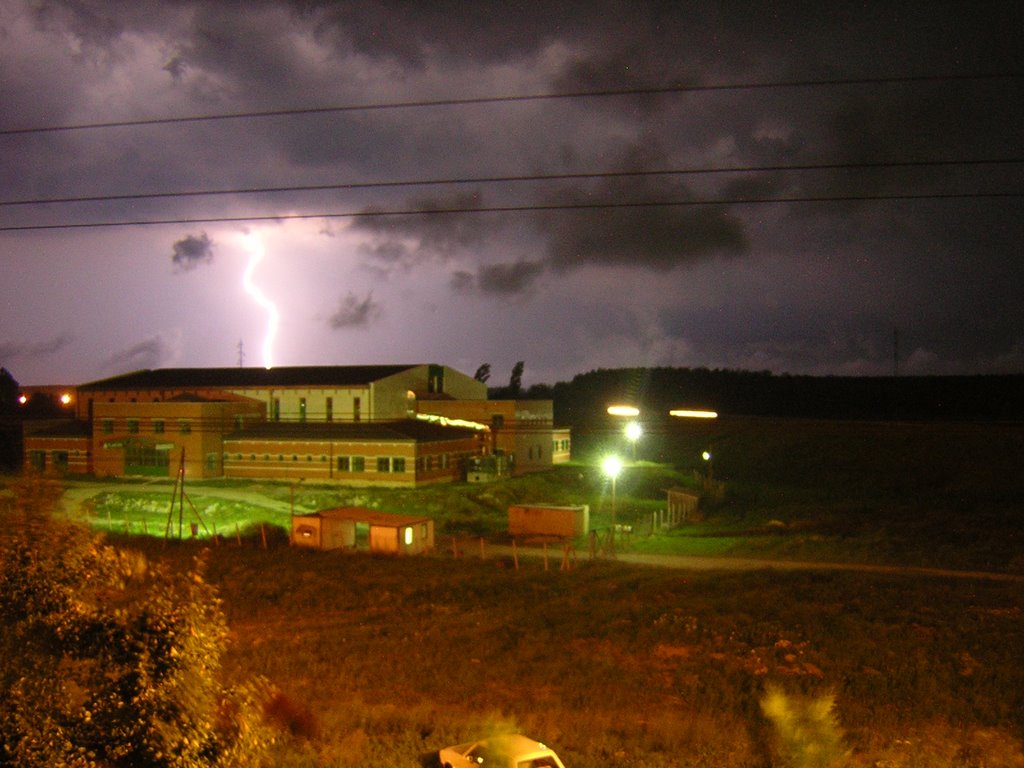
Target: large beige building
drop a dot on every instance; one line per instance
(361, 425)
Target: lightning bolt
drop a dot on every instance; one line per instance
(254, 245)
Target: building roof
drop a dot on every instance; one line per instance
(405, 430)
(62, 428)
(365, 515)
(290, 376)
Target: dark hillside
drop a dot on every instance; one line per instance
(582, 402)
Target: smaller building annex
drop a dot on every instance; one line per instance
(363, 529)
(59, 448)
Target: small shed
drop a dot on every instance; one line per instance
(549, 520)
(363, 529)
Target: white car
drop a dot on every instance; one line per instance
(508, 751)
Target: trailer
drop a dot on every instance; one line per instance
(567, 522)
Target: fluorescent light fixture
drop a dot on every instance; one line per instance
(623, 410)
(444, 421)
(684, 413)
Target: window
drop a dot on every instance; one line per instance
(383, 464)
(38, 460)
(329, 407)
(408, 536)
(133, 426)
(358, 464)
(185, 427)
(302, 409)
(398, 464)
(356, 408)
(108, 426)
(60, 459)
(158, 426)
(276, 411)
(211, 461)
(343, 464)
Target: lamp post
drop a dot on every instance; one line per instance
(633, 431)
(612, 466)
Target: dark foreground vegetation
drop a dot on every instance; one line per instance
(378, 660)
(356, 659)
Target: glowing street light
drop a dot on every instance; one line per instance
(706, 455)
(623, 410)
(612, 466)
(686, 413)
(633, 431)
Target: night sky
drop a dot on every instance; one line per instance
(873, 204)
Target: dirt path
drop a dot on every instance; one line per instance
(710, 563)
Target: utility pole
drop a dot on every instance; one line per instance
(895, 351)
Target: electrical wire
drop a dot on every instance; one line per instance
(507, 179)
(511, 99)
(516, 209)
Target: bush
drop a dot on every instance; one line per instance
(107, 659)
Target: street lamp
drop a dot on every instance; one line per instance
(633, 431)
(689, 413)
(623, 410)
(612, 466)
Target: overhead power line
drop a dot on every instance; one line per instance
(509, 99)
(515, 209)
(506, 179)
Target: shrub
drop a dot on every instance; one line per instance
(807, 733)
(107, 659)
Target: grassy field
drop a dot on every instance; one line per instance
(385, 660)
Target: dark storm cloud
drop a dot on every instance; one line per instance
(506, 279)
(149, 353)
(462, 282)
(355, 312)
(192, 251)
(416, 35)
(19, 351)
(407, 239)
(660, 237)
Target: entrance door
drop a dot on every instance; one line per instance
(148, 460)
